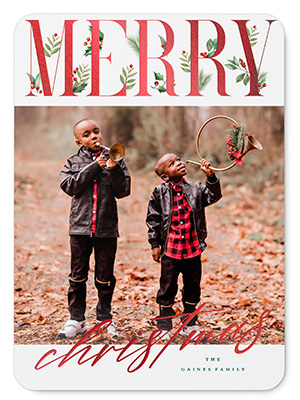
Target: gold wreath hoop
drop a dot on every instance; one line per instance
(249, 144)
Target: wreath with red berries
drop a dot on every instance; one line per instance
(236, 142)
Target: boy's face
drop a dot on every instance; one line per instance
(87, 134)
(173, 168)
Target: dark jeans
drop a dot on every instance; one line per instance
(104, 253)
(191, 275)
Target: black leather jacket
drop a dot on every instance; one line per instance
(77, 180)
(160, 209)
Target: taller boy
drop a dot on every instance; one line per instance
(177, 232)
(94, 181)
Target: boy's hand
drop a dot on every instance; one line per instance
(101, 160)
(205, 167)
(104, 163)
(111, 163)
(156, 254)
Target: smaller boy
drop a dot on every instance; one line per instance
(94, 182)
(176, 232)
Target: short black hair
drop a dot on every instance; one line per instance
(77, 123)
(158, 167)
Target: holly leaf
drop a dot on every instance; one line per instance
(158, 76)
(162, 89)
(79, 88)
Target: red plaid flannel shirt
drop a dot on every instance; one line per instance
(182, 238)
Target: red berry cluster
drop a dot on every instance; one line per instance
(203, 55)
(35, 87)
(74, 73)
(156, 83)
(243, 64)
(87, 40)
(261, 85)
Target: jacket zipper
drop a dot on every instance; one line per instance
(169, 221)
(193, 216)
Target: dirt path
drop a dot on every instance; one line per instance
(242, 266)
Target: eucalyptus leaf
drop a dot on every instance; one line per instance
(240, 77)
(38, 80)
(246, 79)
(230, 66)
(209, 44)
(32, 79)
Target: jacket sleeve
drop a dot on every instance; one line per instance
(120, 179)
(212, 191)
(75, 181)
(154, 221)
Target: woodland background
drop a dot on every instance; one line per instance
(243, 265)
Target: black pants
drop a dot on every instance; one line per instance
(191, 275)
(104, 252)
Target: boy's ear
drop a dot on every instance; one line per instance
(164, 177)
(78, 143)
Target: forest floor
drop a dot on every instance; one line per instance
(243, 265)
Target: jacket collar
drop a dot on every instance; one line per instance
(85, 151)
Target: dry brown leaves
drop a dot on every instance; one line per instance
(243, 266)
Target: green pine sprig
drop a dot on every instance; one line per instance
(236, 134)
(134, 43)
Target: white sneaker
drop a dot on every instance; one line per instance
(189, 329)
(110, 329)
(164, 336)
(72, 328)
